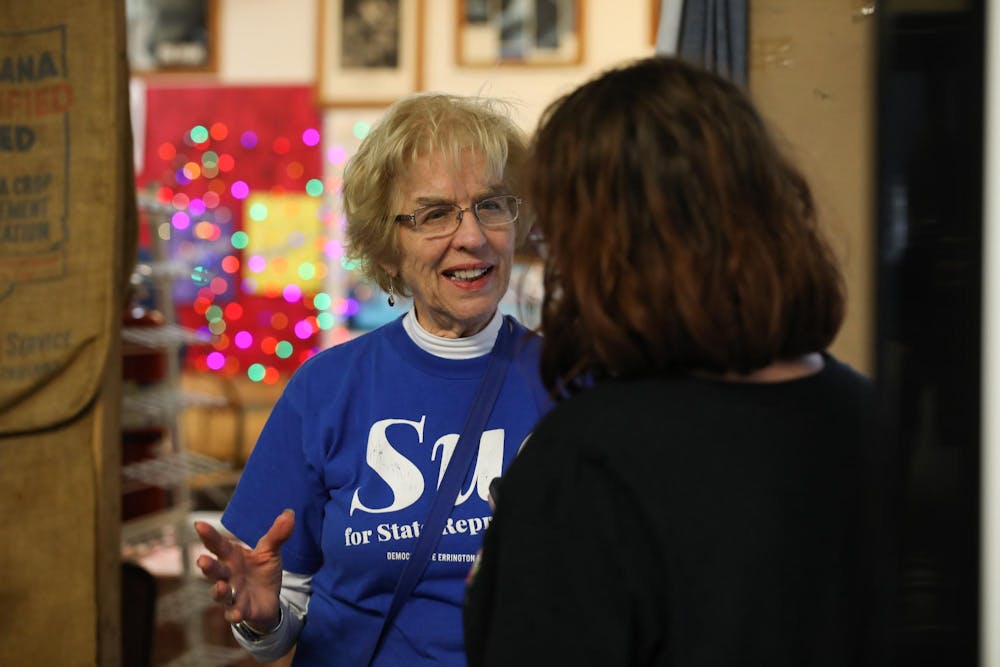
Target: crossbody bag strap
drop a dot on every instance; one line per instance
(454, 475)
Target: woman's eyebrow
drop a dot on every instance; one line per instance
(492, 191)
(430, 200)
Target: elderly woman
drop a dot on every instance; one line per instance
(698, 497)
(352, 456)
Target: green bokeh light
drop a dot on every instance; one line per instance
(307, 270)
(283, 349)
(361, 129)
(200, 275)
(258, 212)
(314, 187)
(256, 372)
(199, 134)
(322, 301)
(239, 240)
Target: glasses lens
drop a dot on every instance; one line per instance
(497, 211)
(437, 218)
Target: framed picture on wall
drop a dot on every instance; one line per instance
(519, 32)
(655, 7)
(171, 35)
(369, 51)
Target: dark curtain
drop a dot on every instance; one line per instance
(713, 33)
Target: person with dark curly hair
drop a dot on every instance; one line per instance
(698, 495)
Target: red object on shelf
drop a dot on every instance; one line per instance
(141, 445)
(142, 364)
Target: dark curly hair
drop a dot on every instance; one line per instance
(679, 237)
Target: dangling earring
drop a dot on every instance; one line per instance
(391, 300)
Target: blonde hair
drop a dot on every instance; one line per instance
(414, 127)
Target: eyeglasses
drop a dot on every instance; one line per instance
(439, 219)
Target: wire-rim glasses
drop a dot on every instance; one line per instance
(493, 212)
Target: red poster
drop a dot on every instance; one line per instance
(206, 150)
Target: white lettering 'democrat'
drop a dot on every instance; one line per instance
(404, 477)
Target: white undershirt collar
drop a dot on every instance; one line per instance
(469, 347)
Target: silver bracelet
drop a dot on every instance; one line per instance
(251, 634)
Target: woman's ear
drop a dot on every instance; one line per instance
(389, 267)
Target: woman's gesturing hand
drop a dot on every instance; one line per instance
(247, 581)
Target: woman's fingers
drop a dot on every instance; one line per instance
(224, 590)
(278, 533)
(212, 568)
(225, 593)
(213, 540)
(231, 598)
(240, 577)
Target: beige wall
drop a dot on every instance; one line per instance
(812, 75)
(262, 44)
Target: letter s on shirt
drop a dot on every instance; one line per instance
(402, 476)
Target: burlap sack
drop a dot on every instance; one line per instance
(67, 223)
(48, 558)
(63, 204)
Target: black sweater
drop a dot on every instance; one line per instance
(682, 521)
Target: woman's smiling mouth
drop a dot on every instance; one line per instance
(467, 275)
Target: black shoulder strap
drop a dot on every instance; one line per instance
(448, 490)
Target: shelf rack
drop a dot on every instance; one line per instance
(154, 407)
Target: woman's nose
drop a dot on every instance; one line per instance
(469, 234)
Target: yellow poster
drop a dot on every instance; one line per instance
(283, 244)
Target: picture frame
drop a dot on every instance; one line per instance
(519, 33)
(369, 52)
(655, 9)
(172, 35)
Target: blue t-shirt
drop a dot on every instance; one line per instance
(356, 445)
